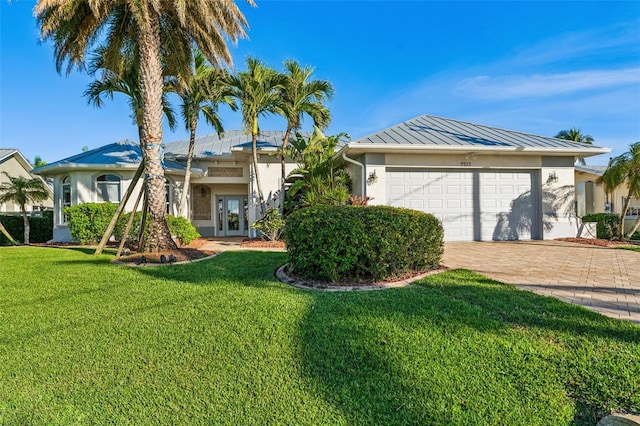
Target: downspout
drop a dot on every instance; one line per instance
(363, 179)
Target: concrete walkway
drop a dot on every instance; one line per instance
(219, 244)
(603, 279)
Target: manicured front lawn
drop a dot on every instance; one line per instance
(632, 248)
(222, 342)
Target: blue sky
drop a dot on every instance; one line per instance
(536, 67)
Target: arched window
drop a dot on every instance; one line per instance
(108, 188)
(66, 197)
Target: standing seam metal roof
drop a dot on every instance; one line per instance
(435, 131)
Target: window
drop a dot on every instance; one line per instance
(168, 195)
(108, 188)
(66, 196)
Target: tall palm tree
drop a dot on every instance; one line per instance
(302, 96)
(23, 191)
(625, 168)
(148, 26)
(204, 90)
(122, 77)
(575, 135)
(258, 91)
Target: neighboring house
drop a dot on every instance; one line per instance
(592, 198)
(483, 183)
(14, 163)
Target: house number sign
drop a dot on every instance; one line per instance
(465, 163)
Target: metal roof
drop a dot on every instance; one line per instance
(594, 170)
(214, 146)
(123, 154)
(444, 134)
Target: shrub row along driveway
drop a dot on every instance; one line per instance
(603, 279)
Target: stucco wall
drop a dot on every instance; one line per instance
(15, 168)
(553, 180)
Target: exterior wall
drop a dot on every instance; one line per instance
(15, 168)
(616, 197)
(553, 183)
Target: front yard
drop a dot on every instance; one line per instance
(223, 342)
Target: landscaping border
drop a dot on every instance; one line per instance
(281, 274)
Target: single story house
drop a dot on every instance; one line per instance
(16, 165)
(482, 182)
(592, 198)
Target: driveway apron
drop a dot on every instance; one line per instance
(602, 279)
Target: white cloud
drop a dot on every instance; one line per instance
(544, 85)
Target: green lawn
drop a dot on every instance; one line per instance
(223, 342)
(632, 248)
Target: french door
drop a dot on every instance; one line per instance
(232, 215)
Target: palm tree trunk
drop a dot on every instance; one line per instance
(187, 173)
(625, 208)
(151, 87)
(25, 219)
(283, 169)
(254, 152)
(635, 227)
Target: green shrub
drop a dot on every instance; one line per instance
(349, 243)
(40, 228)
(182, 229)
(270, 225)
(88, 221)
(134, 232)
(606, 224)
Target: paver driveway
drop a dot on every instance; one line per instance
(603, 279)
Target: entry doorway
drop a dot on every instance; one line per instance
(232, 215)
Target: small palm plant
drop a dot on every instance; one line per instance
(23, 191)
(320, 179)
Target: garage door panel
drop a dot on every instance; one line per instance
(449, 196)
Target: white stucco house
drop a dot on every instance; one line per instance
(482, 182)
(16, 165)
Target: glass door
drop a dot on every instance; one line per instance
(232, 215)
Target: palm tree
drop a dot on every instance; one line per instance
(23, 191)
(301, 96)
(575, 135)
(148, 27)
(123, 77)
(258, 91)
(202, 92)
(624, 168)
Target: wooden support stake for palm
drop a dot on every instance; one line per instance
(143, 221)
(119, 210)
(6, 234)
(125, 234)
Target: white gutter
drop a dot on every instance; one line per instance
(363, 179)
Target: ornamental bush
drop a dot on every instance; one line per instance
(606, 224)
(88, 221)
(349, 243)
(40, 228)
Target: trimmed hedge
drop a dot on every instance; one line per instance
(40, 228)
(350, 243)
(88, 222)
(606, 224)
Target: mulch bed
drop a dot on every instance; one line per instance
(260, 243)
(592, 242)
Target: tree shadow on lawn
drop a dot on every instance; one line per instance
(448, 352)
(247, 268)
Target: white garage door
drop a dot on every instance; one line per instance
(472, 205)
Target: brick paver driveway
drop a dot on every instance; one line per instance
(603, 279)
